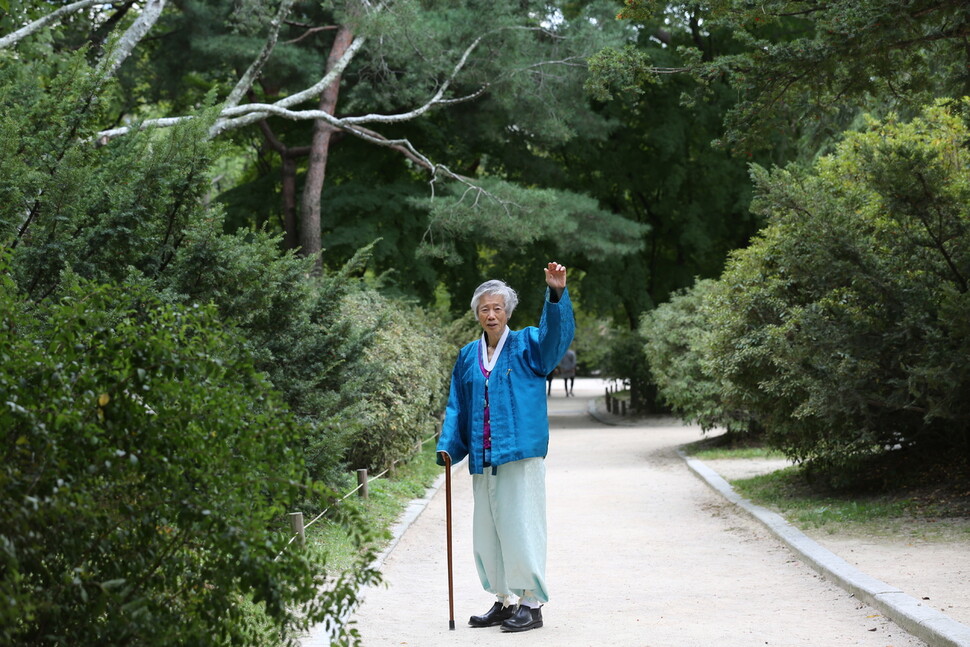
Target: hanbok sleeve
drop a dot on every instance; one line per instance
(454, 429)
(556, 329)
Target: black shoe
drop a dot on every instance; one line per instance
(524, 619)
(494, 616)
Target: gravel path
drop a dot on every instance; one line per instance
(641, 553)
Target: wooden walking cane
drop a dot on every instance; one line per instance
(451, 586)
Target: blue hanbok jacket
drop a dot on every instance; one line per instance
(517, 390)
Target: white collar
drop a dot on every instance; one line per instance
(490, 364)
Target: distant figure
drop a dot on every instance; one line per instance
(567, 369)
(549, 379)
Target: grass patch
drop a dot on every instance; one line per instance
(738, 452)
(790, 493)
(387, 499)
(329, 543)
(730, 445)
(888, 493)
(894, 493)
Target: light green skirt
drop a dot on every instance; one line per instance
(510, 530)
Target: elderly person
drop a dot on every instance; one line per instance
(496, 416)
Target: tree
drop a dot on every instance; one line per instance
(135, 209)
(838, 326)
(392, 62)
(656, 167)
(146, 465)
(807, 67)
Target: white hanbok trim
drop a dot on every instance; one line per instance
(490, 364)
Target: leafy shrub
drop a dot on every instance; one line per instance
(132, 210)
(676, 350)
(841, 326)
(625, 360)
(145, 466)
(407, 368)
(294, 324)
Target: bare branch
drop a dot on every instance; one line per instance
(238, 116)
(150, 12)
(407, 149)
(226, 122)
(249, 77)
(468, 97)
(417, 112)
(232, 117)
(570, 61)
(165, 122)
(40, 23)
(309, 32)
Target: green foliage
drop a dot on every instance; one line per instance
(625, 360)
(591, 342)
(656, 168)
(526, 65)
(677, 336)
(102, 211)
(839, 326)
(408, 367)
(146, 463)
(509, 217)
(134, 214)
(805, 69)
(296, 328)
(135, 210)
(619, 70)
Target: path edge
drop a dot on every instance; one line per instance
(411, 513)
(926, 623)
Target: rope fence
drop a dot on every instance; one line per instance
(296, 518)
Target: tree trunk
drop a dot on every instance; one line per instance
(288, 172)
(310, 223)
(288, 157)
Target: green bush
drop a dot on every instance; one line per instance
(146, 467)
(294, 324)
(625, 360)
(407, 367)
(676, 350)
(844, 326)
(133, 210)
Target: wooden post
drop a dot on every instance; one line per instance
(609, 405)
(622, 407)
(362, 482)
(296, 523)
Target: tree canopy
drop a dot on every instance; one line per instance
(511, 67)
(805, 68)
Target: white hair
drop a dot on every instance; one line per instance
(499, 288)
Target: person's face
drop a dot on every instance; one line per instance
(492, 315)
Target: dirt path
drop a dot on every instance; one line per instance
(641, 553)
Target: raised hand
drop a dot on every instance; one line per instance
(556, 277)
